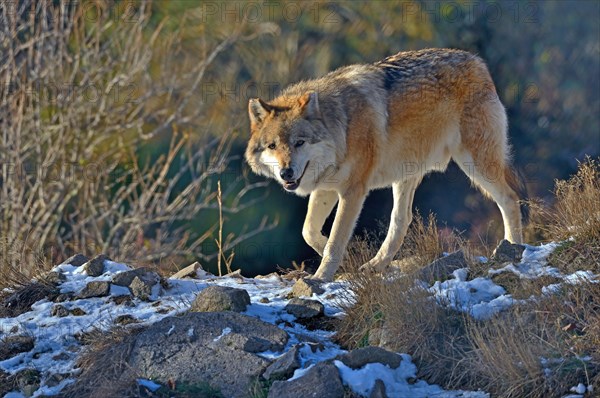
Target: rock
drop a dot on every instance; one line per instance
(358, 358)
(54, 278)
(507, 252)
(315, 346)
(29, 389)
(126, 277)
(272, 275)
(234, 274)
(13, 345)
(124, 299)
(193, 270)
(284, 366)
(186, 349)
(62, 356)
(321, 381)
(442, 268)
(95, 267)
(77, 260)
(59, 311)
(306, 287)
(95, 289)
(62, 297)
(221, 298)
(145, 286)
(304, 308)
(125, 319)
(56, 378)
(245, 343)
(78, 312)
(378, 390)
(28, 381)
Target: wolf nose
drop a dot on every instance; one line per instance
(287, 174)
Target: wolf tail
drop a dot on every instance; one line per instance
(515, 180)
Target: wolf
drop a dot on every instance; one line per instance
(388, 123)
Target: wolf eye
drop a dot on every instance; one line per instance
(271, 146)
(299, 143)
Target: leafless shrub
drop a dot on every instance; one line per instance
(398, 304)
(80, 100)
(425, 242)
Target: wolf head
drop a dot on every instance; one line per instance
(290, 142)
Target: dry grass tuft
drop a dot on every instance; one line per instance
(576, 212)
(540, 349)
(425, 242)
(25, 264)
(19, 301)
(575, 215)
(506, 354)
(297, 271)
(523, 288)
(104, 368)
(398, 312)
(576, 255)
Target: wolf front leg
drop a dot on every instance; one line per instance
(345, 218)
(320, 205)
(404, 193)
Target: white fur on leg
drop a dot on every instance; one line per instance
(401, 217)
(320, 205)
(343, 226)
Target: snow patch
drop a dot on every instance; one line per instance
(396, 381)
(479, 297)
(149, 384)
(224, 333)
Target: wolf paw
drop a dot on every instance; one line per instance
(321, 277)
(375, 265)
(367, 268)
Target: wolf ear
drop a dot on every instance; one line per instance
(309, 103)
(258, 111)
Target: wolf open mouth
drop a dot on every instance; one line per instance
(292, 185)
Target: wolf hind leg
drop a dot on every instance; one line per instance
(320, 205)
(404, 193)
(484, 156)
(495, 180)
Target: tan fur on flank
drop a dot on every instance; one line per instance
(378, 125)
